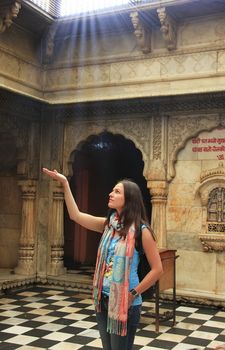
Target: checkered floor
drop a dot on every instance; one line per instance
(40, 318)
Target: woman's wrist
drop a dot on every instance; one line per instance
(134, 293)
(65, 183)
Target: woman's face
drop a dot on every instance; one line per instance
(116, 198)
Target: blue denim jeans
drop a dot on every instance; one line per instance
(113, 341)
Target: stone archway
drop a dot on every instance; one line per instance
(98, 163)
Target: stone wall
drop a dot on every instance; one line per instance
(20, 68)
(199, 270)
(113, 67)
(10, 221)
(161, 100)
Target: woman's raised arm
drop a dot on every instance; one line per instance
(88, 221)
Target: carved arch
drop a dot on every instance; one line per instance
(76, 134)
(182, 131)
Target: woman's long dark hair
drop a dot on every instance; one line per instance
(134, 210)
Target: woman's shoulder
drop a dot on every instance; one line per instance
(145, 227)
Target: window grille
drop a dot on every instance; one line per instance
(52, 7)
(216, 211)
(58, 8)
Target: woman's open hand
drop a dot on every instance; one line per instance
(55, 175)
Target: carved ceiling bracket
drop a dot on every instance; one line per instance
(8, 12)
(168, 28)
(142, 33)
(49, 44)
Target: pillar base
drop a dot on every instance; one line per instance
(25, 268)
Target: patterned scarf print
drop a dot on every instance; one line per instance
(118, 297)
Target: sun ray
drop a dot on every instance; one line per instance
(65, 8)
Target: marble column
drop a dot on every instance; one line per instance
(57, 232)
(26, 261)
(159, 192)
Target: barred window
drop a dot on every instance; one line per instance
(60, 8)
(216, 210)
(51, 7)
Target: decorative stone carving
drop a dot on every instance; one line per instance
(157, 138)
(178, 105)
(211, 173)
(156, 170)
(142, 33)
(134, 130)
(157, 184)
(168, 28)
(56, 232)
(49, 44)
(213, 244)
(180, 130)
(10, 13)
(159, 193)
(26, 262)
(211, 179)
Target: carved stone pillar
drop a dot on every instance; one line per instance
(56, 232)
(158, 187)
(26, 263)
(159, 191)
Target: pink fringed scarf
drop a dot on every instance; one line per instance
(118, 297)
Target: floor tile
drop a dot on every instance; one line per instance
(42, 318)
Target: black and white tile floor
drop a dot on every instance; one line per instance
(40, 318)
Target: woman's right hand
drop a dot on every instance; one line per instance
(91, 222)
(55, 175)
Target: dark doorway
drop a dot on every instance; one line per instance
(98, 164)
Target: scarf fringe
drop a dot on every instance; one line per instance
(117, 327)
(118, 297)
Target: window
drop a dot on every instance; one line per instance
(216, 210)
(69, 7)
(43, 4)
(59, 8)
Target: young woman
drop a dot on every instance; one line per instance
(116, 287)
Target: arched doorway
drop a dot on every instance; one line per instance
(98, 164)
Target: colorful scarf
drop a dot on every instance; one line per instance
(118, 296)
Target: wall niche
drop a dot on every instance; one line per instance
(212, 194)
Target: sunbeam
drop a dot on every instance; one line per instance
(78, 7)
(66, 8)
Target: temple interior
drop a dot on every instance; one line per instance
(131, 89)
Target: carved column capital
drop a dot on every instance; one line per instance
(168, 28)
(28, 188)
(58, 192)
(8, 14)
(158, 190)
(142, 33)
(156, 171)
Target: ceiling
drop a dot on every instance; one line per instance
(38, 22)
